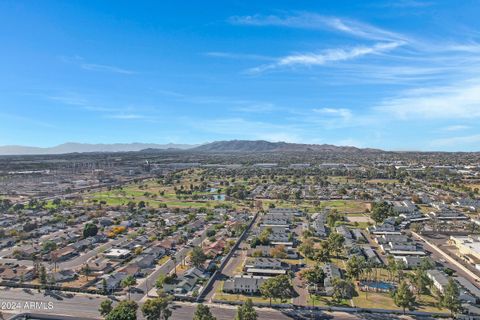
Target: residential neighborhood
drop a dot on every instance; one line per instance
(227, 234)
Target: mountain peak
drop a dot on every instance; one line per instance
(72, 147)
(267, 146)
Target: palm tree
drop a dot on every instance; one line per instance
(52, 281)
(174, 259)
(367, 269)
(128, 283)
(87, 271)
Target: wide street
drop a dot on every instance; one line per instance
(442, 257)
(86, 306)
(78, 305)
(145, 284)
(184, 311)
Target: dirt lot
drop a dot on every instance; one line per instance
(359, 218)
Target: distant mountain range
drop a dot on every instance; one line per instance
(72, 147)
(266, 146)
(214, 147)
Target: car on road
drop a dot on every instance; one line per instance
(53, 294)
(137, 290)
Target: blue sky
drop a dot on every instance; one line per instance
(398, 75)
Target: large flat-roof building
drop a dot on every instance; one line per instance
(244, 283)
(468, 248)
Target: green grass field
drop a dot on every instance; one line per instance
(379, 300)
(346, 206)
(321, 301)
(382, 181)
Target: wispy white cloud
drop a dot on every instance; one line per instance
(459, 143)
(80, 61)
(345, 114)
(129, 116)
(257, 108)
(337, 118)
(316, 21)
(385, 40)
(363, 30)
(407, 4)
(170, 93)
(458, 127)
(27, 120)
(240, 128)
(331, 55)
(85, 103)
(242, 56)
(105, 68)
(399, 58)
(78, 100)
(467, 47)
(350, 142)
(459, 101)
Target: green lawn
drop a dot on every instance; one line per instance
(375, 300)
(340, 179)
(50, 204)
(379, 300)
(360, 225)
(347, 206)
(382, 181)
(428, 303)
(322, 301)
(113, 199)
(163, 260)
(292, 261)
(189, 204)
(136, 192)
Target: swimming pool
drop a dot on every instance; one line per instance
(378, 285)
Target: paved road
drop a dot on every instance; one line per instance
(439, 258)
(83, 258)
(185, 311)
(27, 263)
(228, 271)
(80, 305)
(298, 285)
(234, 261)
(144, 285)
(87, 305)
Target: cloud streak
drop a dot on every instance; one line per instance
(104, 68)
(457, 142)
(129, 116)
(460, 101)
(240, 56)
(343, 113)
(79, 101)
(320, 22)
(458, 127)
(80, 61)
(327, 56)
(241, 128)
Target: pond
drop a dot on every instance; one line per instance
(219, 197)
